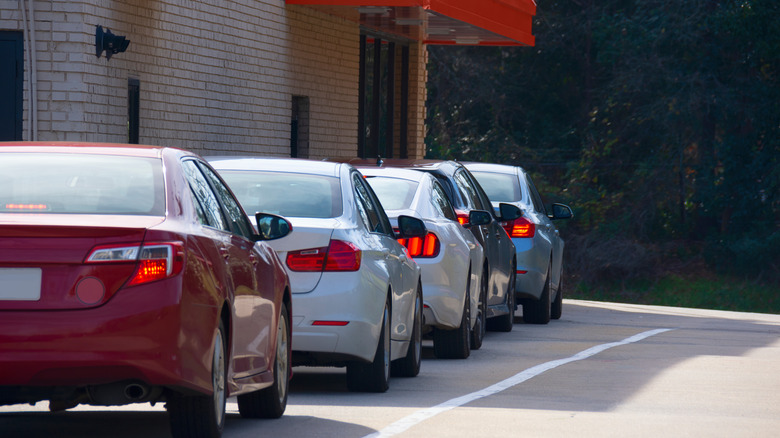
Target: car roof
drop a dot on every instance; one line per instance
(393, 172)
(446, 166)
(84, 147)
(491, 167)
(276, 164)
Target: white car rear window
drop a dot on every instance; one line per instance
(286, 194)
(500, 187)
(393, 193)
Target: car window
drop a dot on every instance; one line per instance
(481, 195)
(286, 194)
(393, 193)
(441, 203)
(203, 218)
(535, 198)
(455, 197)
(370, 210)
(466, 187)
(384, 221)
(81, 184)
(499, 187)
(205, 196)
(239, 223)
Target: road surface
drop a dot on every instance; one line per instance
(603, 369)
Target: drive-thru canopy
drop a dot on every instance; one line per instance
(468, 22)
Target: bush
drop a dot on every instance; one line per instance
(746, 256)
(595, 258)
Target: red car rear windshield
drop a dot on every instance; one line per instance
(81, 184)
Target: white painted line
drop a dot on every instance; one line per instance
(424, 414)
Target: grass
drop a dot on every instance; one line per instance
(707, 292)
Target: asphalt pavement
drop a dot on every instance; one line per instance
(602, 370)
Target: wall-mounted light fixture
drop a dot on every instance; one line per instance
(108, 42)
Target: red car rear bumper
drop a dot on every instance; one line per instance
(146, 333)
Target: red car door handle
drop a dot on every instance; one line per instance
(225, 253)
(253, 258)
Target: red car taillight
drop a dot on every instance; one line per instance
(156, 260)
(337, 256)
(463, 218)
(427, 247)
(520, 227)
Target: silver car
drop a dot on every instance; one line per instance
(538, 243)
(449, 255)
(465, 194)
(357, 296)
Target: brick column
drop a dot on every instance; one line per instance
(418, 78)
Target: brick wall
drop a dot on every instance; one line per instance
(215, 77)
(418, 78)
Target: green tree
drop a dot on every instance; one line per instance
(657, 119)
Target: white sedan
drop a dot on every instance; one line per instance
(357, 296)
(450, 256)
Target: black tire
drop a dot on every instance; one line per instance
(374, 376)
(455, 344)
(557, 305)
(505, 322)
(409, 365)
(538, 311)
(202, 416)
(272, 401)
(480, 325)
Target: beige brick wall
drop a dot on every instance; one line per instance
(418, 77)
(418, 58)
(216, 77)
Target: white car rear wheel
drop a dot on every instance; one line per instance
(409, 365)
(374, 376)
(454, 344)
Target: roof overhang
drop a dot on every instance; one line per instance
(464, 22)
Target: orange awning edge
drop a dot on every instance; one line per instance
(511, 19)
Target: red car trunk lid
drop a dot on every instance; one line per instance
(42, 266)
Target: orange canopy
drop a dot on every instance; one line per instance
(469, 22)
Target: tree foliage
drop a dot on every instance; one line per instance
(658, 120)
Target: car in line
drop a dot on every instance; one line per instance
(357, 295)
(450, 257)
(538, 244)
(130, 274)
(497, 305)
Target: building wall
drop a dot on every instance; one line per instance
(215, 77)
(418, 78)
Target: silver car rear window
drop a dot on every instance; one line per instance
(500, 187)
(286, 194)
(393, 193)
(81, 184)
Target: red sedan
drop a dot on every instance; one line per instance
(130, 274)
